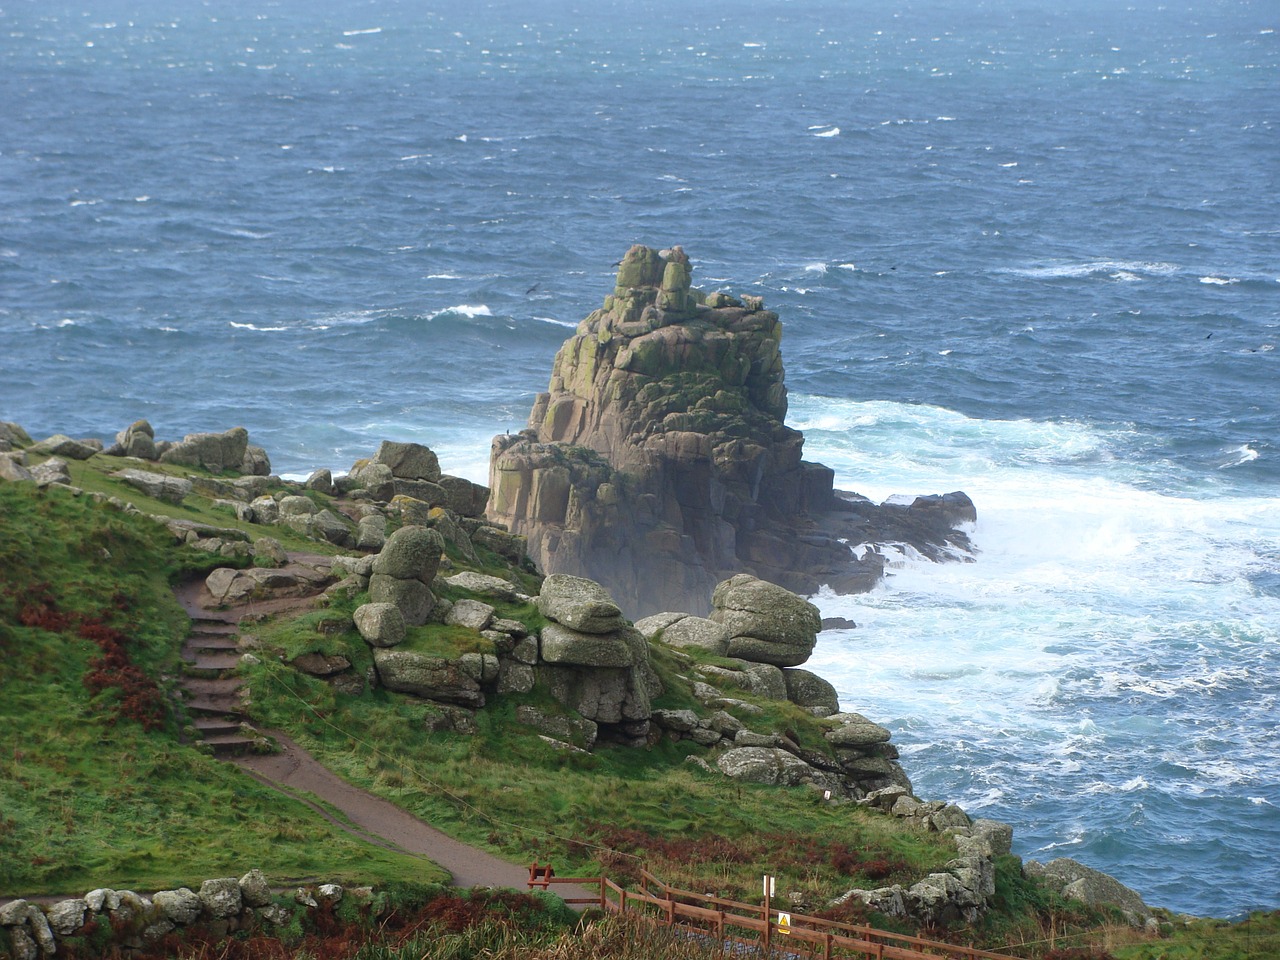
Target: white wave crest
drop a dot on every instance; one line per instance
(1219, 281)
(256, 328)
(468, 310)
(1240, 455)
(1076, 270)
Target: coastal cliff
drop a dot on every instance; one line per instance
(658, 461)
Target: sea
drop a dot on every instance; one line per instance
(1026, 250)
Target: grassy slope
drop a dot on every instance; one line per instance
(89, 799)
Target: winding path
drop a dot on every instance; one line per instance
(296, 773)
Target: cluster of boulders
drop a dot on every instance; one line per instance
(230, 450)
(401, 484)
(219, 907)
(659, 462)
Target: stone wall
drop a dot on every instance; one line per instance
(105, 920)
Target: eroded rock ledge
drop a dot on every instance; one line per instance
(658, 462)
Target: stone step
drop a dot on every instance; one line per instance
(207, 625)
(230, 744)
(214, 726)
(191, 652)
(218, 661)
(212, 686)
(213, 641)
(216, 706)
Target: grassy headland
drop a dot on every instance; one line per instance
(100, 784)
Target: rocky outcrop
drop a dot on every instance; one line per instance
(658, 462)
(212, 451)
(593, 662)
(1078, 882)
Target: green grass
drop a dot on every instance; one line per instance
(89, 798)
(93, 475)
(1255, 938)
(508, 790)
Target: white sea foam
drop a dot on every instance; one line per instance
(1219, 281)
(829, 132)
(559, 323)
(444, 276)
(468, 310)
(255, 327)
(1240, 455)
(361, 33)
(1071, 270)
(1106, 629)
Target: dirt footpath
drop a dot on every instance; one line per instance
(380, 822)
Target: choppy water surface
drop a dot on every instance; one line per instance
(1027, 253)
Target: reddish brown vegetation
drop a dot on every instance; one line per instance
(778, 849)
(139, 697)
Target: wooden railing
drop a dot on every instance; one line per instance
(759, 926)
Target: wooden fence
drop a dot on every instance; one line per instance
(760, 927)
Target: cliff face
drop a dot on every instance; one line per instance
(658, 462)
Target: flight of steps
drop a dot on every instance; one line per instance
(212, 690)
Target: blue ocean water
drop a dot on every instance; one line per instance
(1029, 253)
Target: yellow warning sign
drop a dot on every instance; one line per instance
(784, 923)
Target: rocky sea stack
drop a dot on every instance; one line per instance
(658, 462)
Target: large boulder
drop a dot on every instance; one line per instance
(465, 498)
(53, 470)
(136, 440)
(13, 435)
(685, 632)
(605, 695)
(60, 445)
(580, 604)
(212, 451)
(1078, 882)
(764, 765)
(180, 906)
(408, 461)
(413, 597)
(766, 623)
(380, 624)
(161, 486)
(13, 468)
(375, 479)
(855, 730)
(221, 898)
(807, 689)
(411, 553)
(565, 646)
(433, 678)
